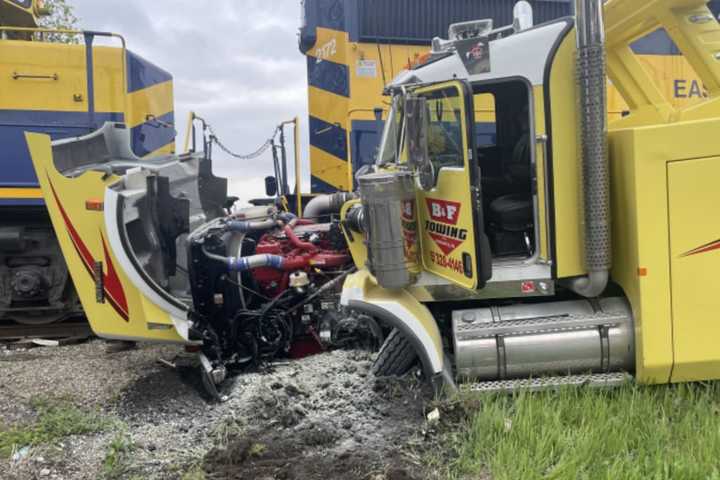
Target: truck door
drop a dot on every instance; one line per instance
(452, 234)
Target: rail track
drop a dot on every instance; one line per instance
(71, 329)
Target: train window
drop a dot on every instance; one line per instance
(485, 120)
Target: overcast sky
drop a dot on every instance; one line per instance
(235, 62)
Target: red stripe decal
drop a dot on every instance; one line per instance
(111, 283)
(113, 287)
(712, 246)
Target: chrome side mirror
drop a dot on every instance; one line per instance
(416, 140)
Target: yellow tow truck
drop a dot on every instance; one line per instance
(563, 251)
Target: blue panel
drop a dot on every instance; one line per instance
(329, 76)
(330, 13)
(485, 134)
(418, 21)
(364, 144)
(657, 43)
(143, 74)
(150, 136)
(318, 186)
(21, 202)
(328, 138)
(17, 169)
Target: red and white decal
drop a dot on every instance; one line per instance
(443, 210)
(408, 210)
(442, 226)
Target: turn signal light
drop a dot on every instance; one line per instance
(94, 205)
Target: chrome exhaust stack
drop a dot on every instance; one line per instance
(593, 138)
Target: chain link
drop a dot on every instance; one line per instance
(250, 156)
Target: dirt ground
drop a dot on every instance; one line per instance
(322, 417)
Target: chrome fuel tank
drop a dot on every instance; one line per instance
(520, 341)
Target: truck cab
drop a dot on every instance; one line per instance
(528, 252)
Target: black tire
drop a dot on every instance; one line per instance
(396, 356)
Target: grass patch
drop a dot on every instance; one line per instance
(119, 450)
(194, 472)
(56, 419)
(633, 432)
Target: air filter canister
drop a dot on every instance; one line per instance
(388, 199)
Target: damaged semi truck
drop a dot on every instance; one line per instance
(567, 251)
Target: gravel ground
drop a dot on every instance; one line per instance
(321, 417)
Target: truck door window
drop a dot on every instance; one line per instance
(445, 135)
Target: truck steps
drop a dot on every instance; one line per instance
(598, 380)
(538, 325)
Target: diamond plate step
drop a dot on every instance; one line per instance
(472, 331)
(600, 380)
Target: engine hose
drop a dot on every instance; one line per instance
(243, 264)
(297, 243)
(245, 226)
(327, 204)
(287, 217)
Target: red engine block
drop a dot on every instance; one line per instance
(299, 255)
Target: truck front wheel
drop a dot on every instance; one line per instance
(396, 356)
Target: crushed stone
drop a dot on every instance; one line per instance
(320, 417)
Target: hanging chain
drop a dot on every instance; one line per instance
(250, 156)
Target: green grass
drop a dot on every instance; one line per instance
(56, 419)
(634, 432)
(116, 457)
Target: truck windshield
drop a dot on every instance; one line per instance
(392, 136)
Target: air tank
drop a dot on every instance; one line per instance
(390, 212)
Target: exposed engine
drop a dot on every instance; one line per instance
(266, 284)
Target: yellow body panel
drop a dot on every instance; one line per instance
(334, 108)
(568, 212)
(126, 313)
(642, 232)
(331, 45)
(694, 221)
(417, 320)
(329, 168)
(152, 101)
(68, 92)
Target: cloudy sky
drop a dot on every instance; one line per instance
(235, 62)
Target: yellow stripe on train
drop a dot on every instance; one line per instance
(329, 168)
(21, 193)
(156, 100)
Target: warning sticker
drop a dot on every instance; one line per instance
(367, 68)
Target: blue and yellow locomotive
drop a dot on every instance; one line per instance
(64, 90)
